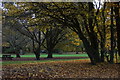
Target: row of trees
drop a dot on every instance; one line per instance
(95, 27)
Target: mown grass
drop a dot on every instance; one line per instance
(54, 55)
(43, 56)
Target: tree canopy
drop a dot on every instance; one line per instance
(96, 28)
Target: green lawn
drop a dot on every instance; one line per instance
(44, 55)
(54, 55)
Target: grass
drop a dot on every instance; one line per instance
(54, 55)
(39, 61)
(44, 55)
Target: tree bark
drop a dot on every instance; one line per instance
(103, 36)
(36, 51)
(112, 37)
(102, 44)
(50, 54)
(88, 48)
(37, 54)
(17, 55)
(117, 18)
(92, 34)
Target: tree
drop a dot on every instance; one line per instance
(72, 22)
(117, 18)
(53, 36)
(15, 40)
(82, 18)
(37, 27)
(23, 25)
(112, 37)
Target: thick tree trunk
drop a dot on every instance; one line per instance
(50, 54)
(88, 49)
(37, 54)
(92, 35)
(36, 51)
(94, 46)
(17, 55)
(91, 55)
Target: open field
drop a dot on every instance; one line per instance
(62, 69)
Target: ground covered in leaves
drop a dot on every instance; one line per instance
(62, 69)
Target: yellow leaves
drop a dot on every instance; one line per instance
(95, 29)
(33, 20)
(77, 44)
(31, 28)
(108, 22)
(9, 6)
(5, 44)
(12, 9)
(98, 17)
(112, 4)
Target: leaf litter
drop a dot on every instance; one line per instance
(62, 69)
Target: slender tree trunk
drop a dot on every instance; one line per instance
(77, 50)
(117, 17)
(102, 51)
(103, 36)
(112, 38)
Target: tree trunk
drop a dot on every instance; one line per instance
(94, 46)
(36, 51)
(92, 35)
(37, 54)
(103, 36)
(50, 54)
(117, 17)
(17, 55)
(88, 49)
(112, 37)
(102, 51)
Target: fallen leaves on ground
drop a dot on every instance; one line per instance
(62, 69)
